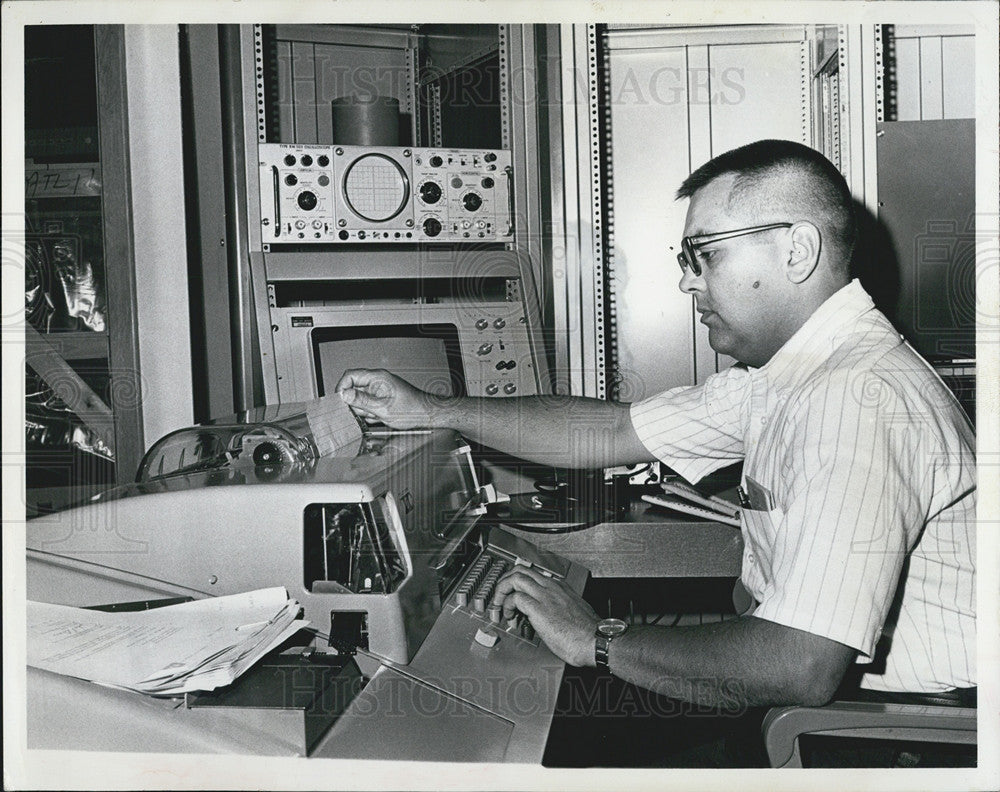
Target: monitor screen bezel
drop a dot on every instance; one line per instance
(447, 332)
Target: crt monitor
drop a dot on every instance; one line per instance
(427, 356)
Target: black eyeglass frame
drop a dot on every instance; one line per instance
(687, 258)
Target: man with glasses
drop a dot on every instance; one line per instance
(858, 478)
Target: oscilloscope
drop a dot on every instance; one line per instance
(362, 194)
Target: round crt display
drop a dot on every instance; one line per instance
(376, 188)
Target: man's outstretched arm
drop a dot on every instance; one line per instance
(562, 431)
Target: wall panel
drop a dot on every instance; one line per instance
(934, 71)
(958, 55)
(650, 154)
(756, 93)
(677, 101)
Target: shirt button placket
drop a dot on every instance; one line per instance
(759, 399)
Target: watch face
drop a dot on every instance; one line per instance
(611, 627)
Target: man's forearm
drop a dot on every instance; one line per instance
(562, 431)
(730, 665)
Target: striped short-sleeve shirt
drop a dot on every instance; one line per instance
(860, 470)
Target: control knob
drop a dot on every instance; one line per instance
(471, 201)
(307, 200)
(430, 192)
(432, 226)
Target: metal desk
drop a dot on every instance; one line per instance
(649, 542)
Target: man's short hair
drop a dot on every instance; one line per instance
(822, 190)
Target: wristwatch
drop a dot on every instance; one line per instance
(607, 631)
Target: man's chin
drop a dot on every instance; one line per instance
(720, 341)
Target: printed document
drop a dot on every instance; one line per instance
(198, 645)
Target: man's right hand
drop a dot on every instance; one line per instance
(379, 395)
(563, 431)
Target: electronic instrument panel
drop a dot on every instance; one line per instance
(313, 194)
(493, 344)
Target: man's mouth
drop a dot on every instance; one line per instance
(705, 314)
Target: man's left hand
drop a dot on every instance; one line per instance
(561, 618)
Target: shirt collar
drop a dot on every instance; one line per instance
(818, 337)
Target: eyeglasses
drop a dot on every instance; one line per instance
(688, 257)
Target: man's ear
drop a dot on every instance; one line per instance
(803, 257)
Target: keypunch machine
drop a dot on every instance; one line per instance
(381, 543)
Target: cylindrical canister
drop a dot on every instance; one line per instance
(365, 121)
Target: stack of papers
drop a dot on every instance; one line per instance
(166, 651)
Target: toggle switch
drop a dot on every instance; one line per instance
(486, 639)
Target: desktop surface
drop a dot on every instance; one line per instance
(646, 541)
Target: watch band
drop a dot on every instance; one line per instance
(607, 630)
(601, 647)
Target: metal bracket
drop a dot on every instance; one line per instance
(258, 51)
(597, 210)
(883, 40)
(608, 343)
(504, 60)
(805, 93)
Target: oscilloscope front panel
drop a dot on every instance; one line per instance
(350, 194)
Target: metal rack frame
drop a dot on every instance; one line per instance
(253, 268)
(577, 214)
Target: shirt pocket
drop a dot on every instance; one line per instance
(760, 533)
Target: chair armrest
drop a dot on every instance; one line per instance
(783, 725)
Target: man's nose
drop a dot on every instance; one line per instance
(690, 283)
